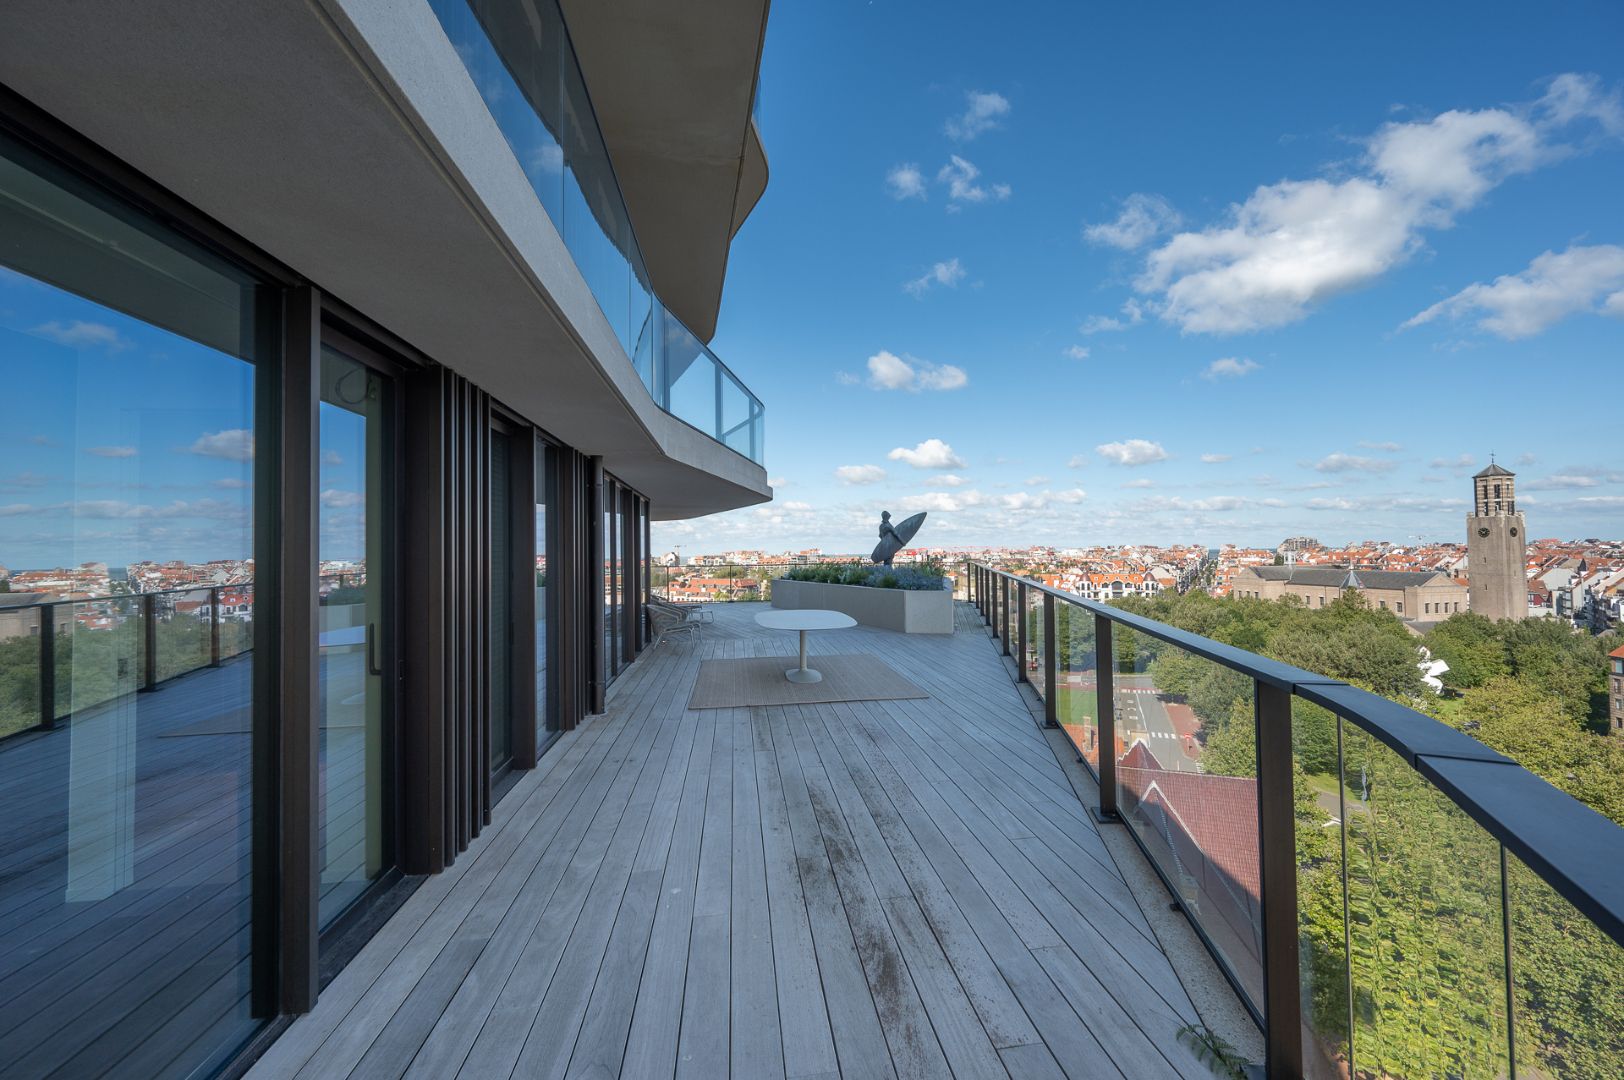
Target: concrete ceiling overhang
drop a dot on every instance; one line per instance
(345, 138)
(673, 85)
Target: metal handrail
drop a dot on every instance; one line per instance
(147, 614)
(1578, 852)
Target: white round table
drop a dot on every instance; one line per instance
(804, 620)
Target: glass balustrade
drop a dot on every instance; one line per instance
(522, 63)
(1424, 945)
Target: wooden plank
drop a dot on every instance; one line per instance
(585, 901)
(651, 1045)
(607, 1016)
(703, 1049)
(809, 1047)
(964, 1041)
(860, 1045)
(757, 1038)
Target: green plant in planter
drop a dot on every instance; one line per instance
(920, 577)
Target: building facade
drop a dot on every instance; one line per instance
(1497, 546)
(1615, 692)
(416, 291)
(1414, 596)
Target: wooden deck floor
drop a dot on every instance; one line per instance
(901, 888)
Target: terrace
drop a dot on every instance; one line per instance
(922, 886)
(862, 889)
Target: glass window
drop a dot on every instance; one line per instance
(352, 630)
(127, 356)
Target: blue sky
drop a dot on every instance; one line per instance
(1063, 274)
(125, 442)
(1075, 275)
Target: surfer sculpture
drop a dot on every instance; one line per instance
(893, 538)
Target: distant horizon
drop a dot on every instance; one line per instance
(690, 549)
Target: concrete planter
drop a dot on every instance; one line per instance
(907, 611)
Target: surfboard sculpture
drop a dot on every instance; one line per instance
(893, 538)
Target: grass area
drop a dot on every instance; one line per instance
(1074, 706)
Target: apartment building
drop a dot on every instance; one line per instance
(1615, 691)
(423, 288)
(1414, 596)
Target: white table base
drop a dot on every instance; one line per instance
(803, 674)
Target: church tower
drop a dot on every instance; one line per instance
(1497, 547)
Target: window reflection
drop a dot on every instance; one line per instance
(127, 528)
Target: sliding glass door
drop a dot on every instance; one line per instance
(129, 732)
(355, 638)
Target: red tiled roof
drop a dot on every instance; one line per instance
(1209, 816)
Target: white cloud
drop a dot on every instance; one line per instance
(948, 273)
(1342, 463)
(1385, 447)
(794, 505)
(960, 177)
(940, 502)
(1462, 463)
(1078, 461)
(77, 334)
(231, 483)
(1580, 279)
(334, 499)
(1071, 495)
(777, 481)
(1142, 482)
(888, 371)
(1036, 481)
(948, 480)
(905, 182)
(1295, 243)
(846, 378)
(234, 444)
(930, 454)
(982, 113)
(1229, 367)
(1215, 459)
(331, 457)
(1133, 313)
(112, 451)
(1143, 218)
(1075, 352)
(1132, 452)
(860, 474)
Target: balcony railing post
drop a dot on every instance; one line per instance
(1051, 664)
(1022, 636)
(1105, 710)
(214, 626)
(47, 665)
(149, 634)
(1003, 613)
(1277, 861)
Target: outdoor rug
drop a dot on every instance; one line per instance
(759, 680)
